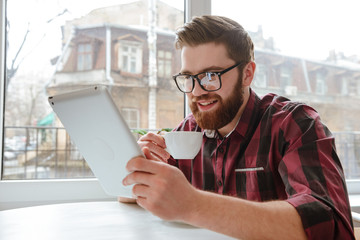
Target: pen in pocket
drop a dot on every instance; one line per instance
(249, 169)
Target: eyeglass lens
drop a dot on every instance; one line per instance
(209, 81)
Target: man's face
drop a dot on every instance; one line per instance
(212, 110)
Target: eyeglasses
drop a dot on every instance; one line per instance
(208, 81)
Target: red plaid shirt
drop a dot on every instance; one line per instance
(278, 150)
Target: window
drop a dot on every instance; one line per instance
(344, 86)
(63, 47)
(130, 57)
(164, 63)
(285, 76)
(320, 83)
(84, 59)
(131, 116)
(302, 52)
(56, 28)
(260, 79)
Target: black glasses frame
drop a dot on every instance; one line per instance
(193, 77)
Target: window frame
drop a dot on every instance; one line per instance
(84, 60)
(20, 193)
(133, 63)
(164, 63)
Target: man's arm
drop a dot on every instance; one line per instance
(163, 190)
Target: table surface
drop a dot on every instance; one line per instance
(93, 220)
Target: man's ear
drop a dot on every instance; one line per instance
(248, 73)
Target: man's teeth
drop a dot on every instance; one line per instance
(205, 103)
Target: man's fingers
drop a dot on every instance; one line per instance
(137, 177)
(140, 190)
(152, 156)
(155, 138)
(157, 152)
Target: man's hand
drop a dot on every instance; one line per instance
(155, 143)
(160, 188)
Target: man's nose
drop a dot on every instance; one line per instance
(198, 91)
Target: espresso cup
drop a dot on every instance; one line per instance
(183, 144)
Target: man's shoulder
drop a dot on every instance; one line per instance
(281, 103)
(280, 106)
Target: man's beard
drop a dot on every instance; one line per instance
(225, 112)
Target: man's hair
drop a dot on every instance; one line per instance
(220, 30)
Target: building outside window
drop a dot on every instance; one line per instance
(83, 45)
(295, 58)
(84, 59)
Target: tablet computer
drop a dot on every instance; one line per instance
(102, 136)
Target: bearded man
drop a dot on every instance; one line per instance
(267, 168)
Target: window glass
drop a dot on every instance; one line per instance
(84, 57)
(164, 63)
(308, 51)
(131, 116)
(55, 46)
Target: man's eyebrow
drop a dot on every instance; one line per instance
(208, 69)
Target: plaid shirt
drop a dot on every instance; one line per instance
(278, 150)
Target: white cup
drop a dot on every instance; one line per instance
(183, 144)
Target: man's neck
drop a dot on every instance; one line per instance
(224, 131)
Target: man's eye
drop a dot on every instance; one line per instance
(211, 76)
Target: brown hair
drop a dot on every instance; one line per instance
(220, 30)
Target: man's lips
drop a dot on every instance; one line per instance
(204, 105)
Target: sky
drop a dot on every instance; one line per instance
(44, 35)
(303, 28)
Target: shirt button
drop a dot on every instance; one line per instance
(219, 183)
(221, 150)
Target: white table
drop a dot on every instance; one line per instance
(93, 220)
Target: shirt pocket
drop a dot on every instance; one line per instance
(255, 184)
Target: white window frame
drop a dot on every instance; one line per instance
(84, 59)
(21, 193)
(132, 57)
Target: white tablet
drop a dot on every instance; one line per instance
(102, 136)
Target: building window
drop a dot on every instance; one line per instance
(131, 116)
(320, 83)
(260, 76)
(164, 63)
(130, 57)
(84, 57)
(285, 76)
(344, 87)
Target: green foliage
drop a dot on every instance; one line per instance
(143, 131)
